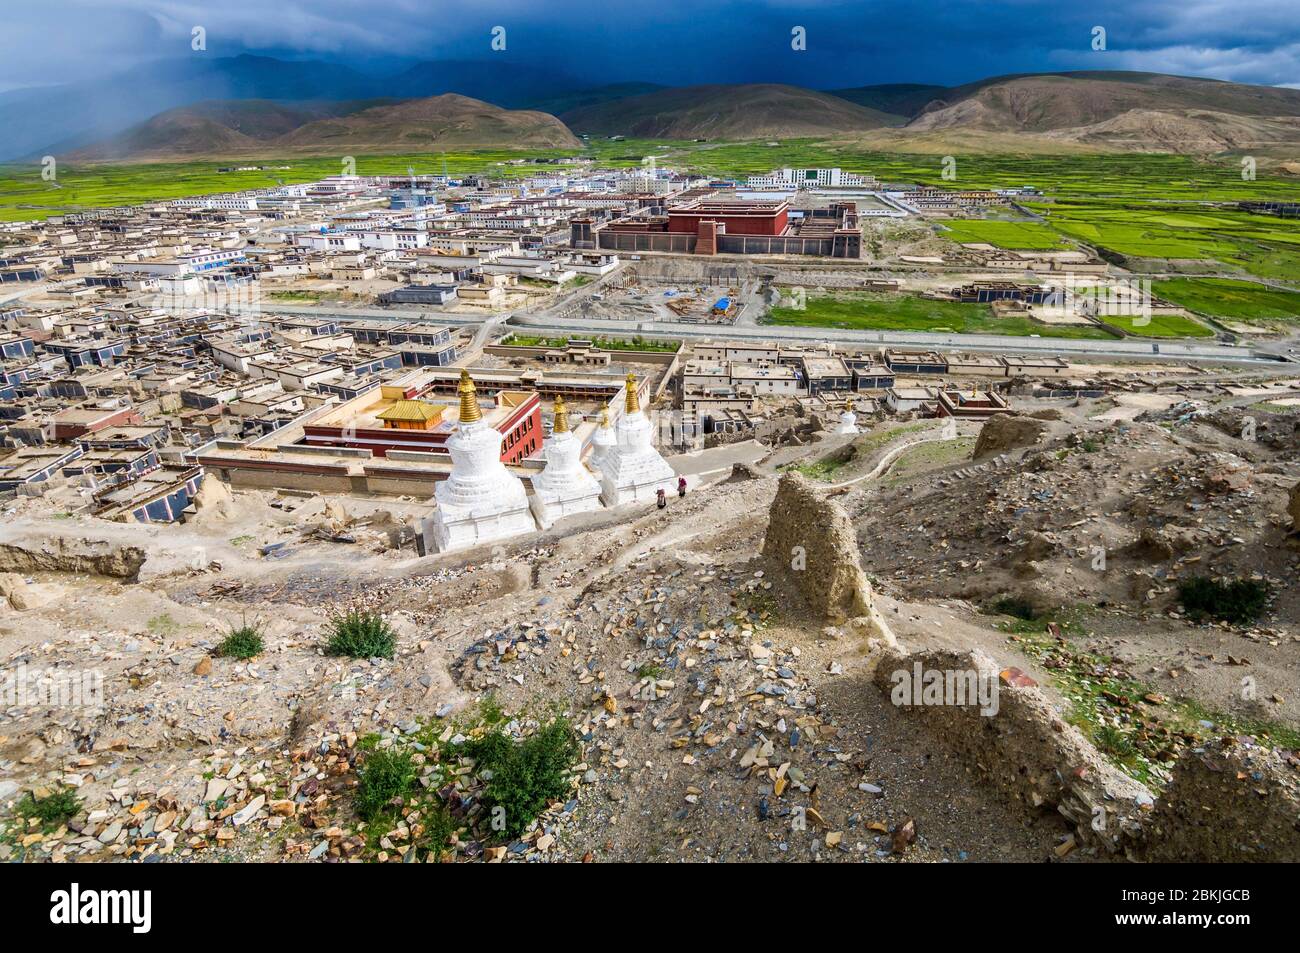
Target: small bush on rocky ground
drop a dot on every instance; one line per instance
(1015, 606)
(439, 829)
(243, 641)
(528, 774)
(360, 635)
(386, 776)
(1238, 601)
(53, 810)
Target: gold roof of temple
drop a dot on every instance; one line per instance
(410, 411)
(469, 410)
(633, 404)
(561, 417)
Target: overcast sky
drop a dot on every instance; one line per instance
(671, 41)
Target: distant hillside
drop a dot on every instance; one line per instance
(438, 122)
(904, 100)
(567, 102)
(56, 119)
(223, 127)
(726, 112)
(247, 128)
(499, 81)
(1128, 110)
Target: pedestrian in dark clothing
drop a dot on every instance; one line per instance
(681, 486)
(662, 499)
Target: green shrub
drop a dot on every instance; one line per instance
(53, 810)
(1015, 606)
(1114, 742)
(242, 642)
(438, 830)
(1238, 601)
(385, 776)
(360, 635)
(526, 775)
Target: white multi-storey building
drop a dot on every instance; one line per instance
(809, 179)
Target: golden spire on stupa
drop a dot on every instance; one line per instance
(561, 417)
(848, 403)
(633, 404)
(604, 416)
(469, 411)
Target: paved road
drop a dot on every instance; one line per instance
(1062, 347)
(1182, 351)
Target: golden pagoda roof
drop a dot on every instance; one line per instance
(415, 411)
(633, 399)
(561, 417)
(469, 409)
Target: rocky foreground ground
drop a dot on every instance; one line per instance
(725, 703)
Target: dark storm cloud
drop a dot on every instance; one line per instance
(671, 41)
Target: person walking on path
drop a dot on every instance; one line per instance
(681, 487)
(662, 500)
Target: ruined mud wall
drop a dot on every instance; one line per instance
(1234, 803)
(61, 554)
(811, 545)
(1026, 749)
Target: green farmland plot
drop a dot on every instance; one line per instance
(25, 195)
(1226, 298)
(890, 312)
(1159, 326)
(1018, 236)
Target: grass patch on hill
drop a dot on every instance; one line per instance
(1139, 729)
(871, 311)
(524, 775)
(51, 811)
(505, 773)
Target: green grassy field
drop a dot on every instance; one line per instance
(1225, 298)
(1017, 236)
(25, 195)
(1159, 326)
(888, 312)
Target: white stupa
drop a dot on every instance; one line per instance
(565, 486)
(848, 419)
(602, 443)
(481, 501)
(633, 470)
